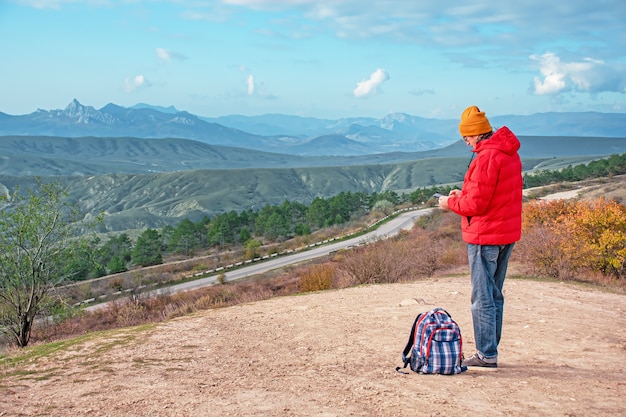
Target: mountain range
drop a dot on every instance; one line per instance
(293, 135)
(148, 166)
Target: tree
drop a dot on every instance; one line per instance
(115, 253)
(273, 226)
(223, 229)
(186, 237)
(38, 251)
(84, 264)
(318, 212)
(117, 265)
(251, 247)
(384, 206)
(148, 249)
(302, 229)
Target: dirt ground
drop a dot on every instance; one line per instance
(334, 353)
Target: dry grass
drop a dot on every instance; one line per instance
(432, 248)
(318, 277)
(409, 256)
(176, 268)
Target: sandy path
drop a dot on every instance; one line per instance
(334, 354)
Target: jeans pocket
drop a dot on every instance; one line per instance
(490, 252)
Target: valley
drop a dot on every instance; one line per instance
(150, 167)
(138, 183)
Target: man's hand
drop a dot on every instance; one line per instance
(443, 202)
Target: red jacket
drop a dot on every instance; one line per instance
(491, 199)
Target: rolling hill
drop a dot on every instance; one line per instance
(148, 167)
(54, 156)
(131, 201)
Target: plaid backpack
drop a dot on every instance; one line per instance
(435, 344)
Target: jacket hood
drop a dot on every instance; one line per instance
(503, 140)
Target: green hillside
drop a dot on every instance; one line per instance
(140, 183)
(56, 156)
(154, 200)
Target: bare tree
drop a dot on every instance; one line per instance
(38, 243)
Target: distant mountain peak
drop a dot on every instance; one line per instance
(85, 114)
(168, 109)
(75, 109)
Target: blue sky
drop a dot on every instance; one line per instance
(315, 58)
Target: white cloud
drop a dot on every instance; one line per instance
(368, 87)
(138, 82)
(250, 83)
(553, 75)
(480, 22)
(459, 22)
(256, 89)
(589, 76)
(165, 56)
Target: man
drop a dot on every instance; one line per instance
(490, 204)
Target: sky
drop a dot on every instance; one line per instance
(315, 58)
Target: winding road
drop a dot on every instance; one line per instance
(403, 221)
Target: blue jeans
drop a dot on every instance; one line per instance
(488, 265)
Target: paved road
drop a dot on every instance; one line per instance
(404, 221)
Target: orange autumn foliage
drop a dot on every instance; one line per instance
(563, 237)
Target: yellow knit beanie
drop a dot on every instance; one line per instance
(474, 122)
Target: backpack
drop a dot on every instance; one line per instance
(435, 344)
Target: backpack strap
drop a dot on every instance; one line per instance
(409, 345)
(439, 309)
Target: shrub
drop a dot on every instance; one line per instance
(117, 284)
(541, 252)
(601, 225)
(317, 277)
(378, 262)
(131, 314)
(563, 237)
